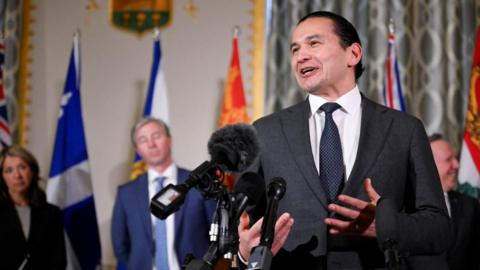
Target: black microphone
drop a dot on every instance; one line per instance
(233, 147)
(236, 146)
(249, 192)
(261, 257)
(275, 191)
(387, 237)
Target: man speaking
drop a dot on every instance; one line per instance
(361, 178)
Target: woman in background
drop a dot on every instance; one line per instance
(31, 230)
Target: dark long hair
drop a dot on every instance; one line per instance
(36, 196)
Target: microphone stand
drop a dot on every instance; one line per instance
(221, 240)
(391, 255)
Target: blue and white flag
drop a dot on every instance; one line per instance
(156, 104)
(69, 185)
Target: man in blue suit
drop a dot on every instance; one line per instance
(134, 229)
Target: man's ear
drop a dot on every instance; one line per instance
(355, 54)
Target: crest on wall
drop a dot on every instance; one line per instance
(140, 15)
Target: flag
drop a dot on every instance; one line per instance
(156, 104)
(469, 171)
(392, 90)
(69, 185)
(234, 107)
(5, 137)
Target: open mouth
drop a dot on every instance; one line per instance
(306, 71)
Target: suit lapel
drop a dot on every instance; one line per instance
(295, 127)
(374, 129)
(455, 209)
(143, 204)
(182, 175)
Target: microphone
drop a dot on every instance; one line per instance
(276, 190)
(387, 237)
(249, 190)
(233, 147)
(236, 146)
(261, 257)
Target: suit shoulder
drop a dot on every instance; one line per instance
(55, 210)
(275, 117)
(399, 116)
(52, 207)
(467, 199)
(183, 171)
(131, 184)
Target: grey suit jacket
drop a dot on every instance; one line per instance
(393, 151)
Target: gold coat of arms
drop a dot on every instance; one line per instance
(140, 15)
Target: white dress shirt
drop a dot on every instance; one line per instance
(447, 202)
(348, 120)
(170, 175)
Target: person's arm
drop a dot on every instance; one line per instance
(59, 255)
(249, 237)
(411, 228)
(423, 225)
(475, 240)
(120, 237)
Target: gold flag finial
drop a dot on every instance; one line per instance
(191, 9)
(91, 8)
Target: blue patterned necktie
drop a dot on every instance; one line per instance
(161, 255)
(332, 169)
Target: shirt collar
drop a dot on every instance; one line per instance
(349, 102)
(168, 174)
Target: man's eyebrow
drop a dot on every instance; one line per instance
(308, 38)
(293, 45)
(315, 36)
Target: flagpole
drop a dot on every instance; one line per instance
(156, 33)
(391, 27)
(236, 31)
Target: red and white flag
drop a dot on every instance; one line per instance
(5, 137)
(469, 172)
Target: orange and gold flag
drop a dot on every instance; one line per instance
(234, 109)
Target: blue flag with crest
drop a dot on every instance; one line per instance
(69, 185)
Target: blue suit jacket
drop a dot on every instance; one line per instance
(132, 227)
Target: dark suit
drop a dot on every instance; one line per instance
(464, 253)
(132, 226)
(45, 244)
(393, 151)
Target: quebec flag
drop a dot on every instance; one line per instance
(69, 185)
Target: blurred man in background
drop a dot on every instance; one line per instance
(464, 210)
(140, 240)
